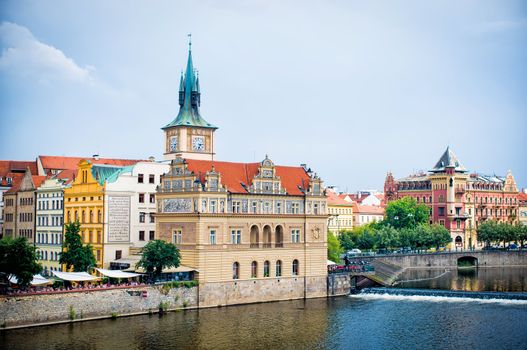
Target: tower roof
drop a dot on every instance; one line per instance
(189, 99)
(448, 160)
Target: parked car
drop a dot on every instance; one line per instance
(354, 251)
(512, 246)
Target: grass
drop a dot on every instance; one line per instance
(72, 313)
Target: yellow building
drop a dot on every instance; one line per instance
(340, 213)
(83, 202)
(252, 231)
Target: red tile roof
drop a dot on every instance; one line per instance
(336, 199)
(38, 180)
(61, 163)
(368, 209)
(10, 167)
(234, 174)
(17, 182)
(522, 197)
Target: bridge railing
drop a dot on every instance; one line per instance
(351, 269)
(428, 252)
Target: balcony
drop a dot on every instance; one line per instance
(460, 190)
(267, 245)
(255, 245)
(279, 245)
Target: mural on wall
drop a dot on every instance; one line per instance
(118, 218)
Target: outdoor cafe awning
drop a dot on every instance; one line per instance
(117, 273)
(180, 268)
(75, 276)
(331, 263)
(36, 281)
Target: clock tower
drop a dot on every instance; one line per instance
(189, 135)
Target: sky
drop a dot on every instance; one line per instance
(354, 89)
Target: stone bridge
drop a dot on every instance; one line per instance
(453, 259)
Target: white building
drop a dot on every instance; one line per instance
(129, 208)
(50, 223)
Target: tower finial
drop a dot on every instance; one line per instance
(189, 41)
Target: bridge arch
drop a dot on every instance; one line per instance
(467, 261)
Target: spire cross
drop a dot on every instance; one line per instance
(189, 41)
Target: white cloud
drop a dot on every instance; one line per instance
(25, 55)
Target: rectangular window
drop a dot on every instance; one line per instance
(152, 198)
(254, 207)
(140, 178)
(141, 197)
(152, 218)
(141, 235)
(152, 235)
(236, 236)
(213, 206)
(441, 211)
(295, 236)
(236, 205)
(142, 217)
(118, 254)
(98, 258)
(278, 208)
(295, 208)
(178, 237)
(151, 179)
(212, 238)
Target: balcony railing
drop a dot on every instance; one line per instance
(267, 245)
(255, 245)
(279, 245)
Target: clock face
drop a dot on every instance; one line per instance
(198, 143)
(173, 143)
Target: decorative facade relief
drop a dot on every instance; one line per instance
(177, 205)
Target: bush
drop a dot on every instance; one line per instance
(72, 313)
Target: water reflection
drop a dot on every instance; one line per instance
(491, 279)
(339, 323)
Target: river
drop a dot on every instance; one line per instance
(373, 320)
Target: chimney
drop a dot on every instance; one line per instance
(96, 156)
(152, 159)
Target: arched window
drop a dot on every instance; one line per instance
(99, 216)
(76, 215)
(254, 269)
(255, 237)
(267, 236)
(278, 268)
(235, 271)
(91, 216)
(83, 216)
(295, 267)
(459, 241)
(279, 237)
(266, 268)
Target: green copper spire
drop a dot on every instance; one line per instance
(189, 98)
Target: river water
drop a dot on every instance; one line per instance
(373, 320)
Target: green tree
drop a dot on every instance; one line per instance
(387, 237)
(487, 232)
(18, 258)
(334, 248)
(439, 235)
(405, 213)
(348, 239)
(521, 234)
(74, 254)
(158, 255)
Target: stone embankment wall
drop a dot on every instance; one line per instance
(442, 260)
(50, 308)
(339, 284)
(260, 290)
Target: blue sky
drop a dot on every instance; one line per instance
(352, 88)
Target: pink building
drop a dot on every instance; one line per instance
(458, 200)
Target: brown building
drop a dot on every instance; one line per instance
(19, 211)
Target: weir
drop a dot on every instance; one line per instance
(446, 293)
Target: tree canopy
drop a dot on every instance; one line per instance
(406, 213)
(158, 255)
(491, 231)
(18, 258)
(334, 248)
(74, 254)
